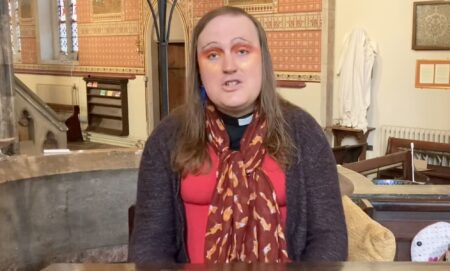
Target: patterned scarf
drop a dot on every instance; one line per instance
(244, 221)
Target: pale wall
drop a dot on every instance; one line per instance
(308, 98)
(396, 101)
(136, 99)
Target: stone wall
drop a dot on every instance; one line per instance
(61, 218)
(79, 213)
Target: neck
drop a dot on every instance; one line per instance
(237, 113)
(243, 120)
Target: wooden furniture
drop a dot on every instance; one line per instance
(437, 174)
(341, 132)
(306, 266)
(176, 70)
(405, 217)
(70, 115)
(404, 214)
(374, 165)
(107, 104)
(348, 153)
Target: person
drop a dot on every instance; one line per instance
(237, 173)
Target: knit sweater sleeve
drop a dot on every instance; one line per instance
(316, 222)
(326, 238)
(154, 235)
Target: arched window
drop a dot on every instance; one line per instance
(67, 27)
(58, 31)
(14, 25)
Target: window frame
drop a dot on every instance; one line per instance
(57, 52)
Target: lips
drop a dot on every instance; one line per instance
(231, 84)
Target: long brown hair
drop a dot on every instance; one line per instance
(190, 152)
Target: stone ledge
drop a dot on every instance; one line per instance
(110, 254)
(21, 167)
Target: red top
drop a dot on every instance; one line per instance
(197, 192)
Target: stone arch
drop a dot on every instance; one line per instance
(26, 126)
(50, 141)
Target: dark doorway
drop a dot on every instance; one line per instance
(177, 74)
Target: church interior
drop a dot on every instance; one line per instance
(81, 89)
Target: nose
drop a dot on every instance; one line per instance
(229, 65)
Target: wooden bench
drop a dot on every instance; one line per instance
(437, 174)
(400, 161)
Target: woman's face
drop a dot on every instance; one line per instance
(229, 59)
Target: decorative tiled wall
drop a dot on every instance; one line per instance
(107, 42)
(203, 6)
(28, 41)
(29, 50)
(83, 11)
(293, 26)
(131, 9)
(295, 50)
(110, 40)
(289, 6)
(110, 51)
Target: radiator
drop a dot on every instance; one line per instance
(440, 136)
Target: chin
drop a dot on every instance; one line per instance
(236, 110)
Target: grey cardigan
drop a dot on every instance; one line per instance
(315, 224)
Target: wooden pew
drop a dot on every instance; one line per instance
(437, 174)
(375, 165)
(405, 215)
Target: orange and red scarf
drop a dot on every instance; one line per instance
(244, 221)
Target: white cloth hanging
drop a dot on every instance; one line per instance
(355, 72)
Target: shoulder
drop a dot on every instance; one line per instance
(302, 126)
(164, 134)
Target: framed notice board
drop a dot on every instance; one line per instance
(433, 74)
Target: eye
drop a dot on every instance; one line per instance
(213, 55)
(243, 51)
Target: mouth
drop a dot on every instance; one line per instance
(231, 83)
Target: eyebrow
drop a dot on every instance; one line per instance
(234, 39)
(208, 44)
(242, 39)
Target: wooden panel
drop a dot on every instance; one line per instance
(177, 74)
(406, 217)
(436, 174)
(176, 59)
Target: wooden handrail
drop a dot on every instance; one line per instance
(390, 160)
(396, 144)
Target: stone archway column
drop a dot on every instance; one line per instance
(7, 115)
(327, 69)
